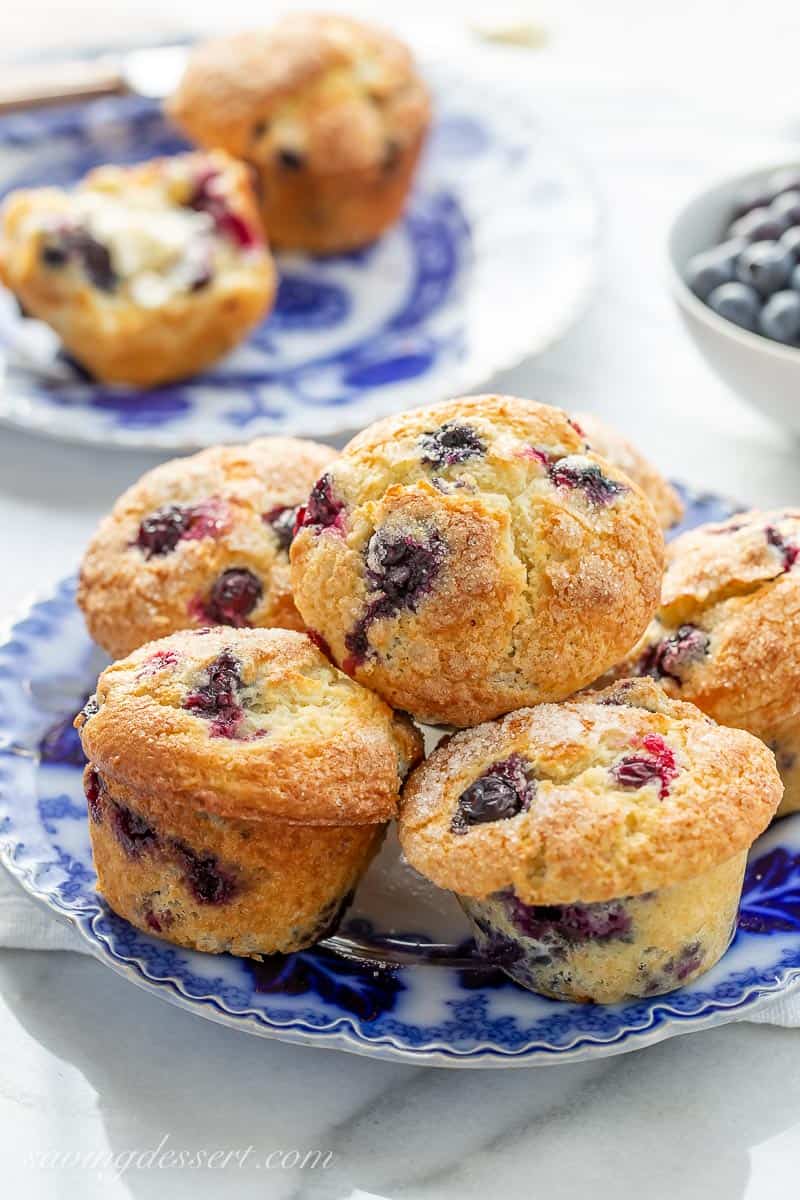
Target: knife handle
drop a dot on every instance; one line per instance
(32, 84)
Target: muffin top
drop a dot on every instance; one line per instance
(248, 723)
(316, 90)
(603, 796)
(727, 635)
(616, 449)
(471, 557)
(200, 541)
(144, 235)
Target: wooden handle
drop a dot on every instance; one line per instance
(33, 84)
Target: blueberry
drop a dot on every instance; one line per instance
(160, 532)
(669, 657)
(54, 256)
(786, 207)
(95, 258)
(234, 596)
(324, 508)
(217, 696)
(786, 180)
(755, 196)
(757, 226)
(791, 240)
(402, 567)
(291, 160)
(282, 520)
(450, 443)
(712, 268)
(738, 303)
(780, 317)
(587, 477)
(500, 793)
(766, 266)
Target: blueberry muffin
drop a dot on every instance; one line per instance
(616, 449)
(200, 541)
(147, 273)
(330, 112)
(727, 635)
(474, 556)
(238, 786)
(597, 846)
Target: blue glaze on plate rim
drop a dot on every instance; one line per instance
(462, 287)
(429, 1013)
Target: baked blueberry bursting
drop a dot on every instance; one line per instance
(136, 835)
(587, 478)
(217, 697)
(402, 570)
(208, 198)
(93, 788)
(552, 923)
(160, 531)
(79, 246)
(233, 597)
(324, 509)
(670, 657)
(207, 881)
(787, 551)
(450, 443)
(282, 521)
(291, 160)
(637, 770)
(402, 567)
(500, 793)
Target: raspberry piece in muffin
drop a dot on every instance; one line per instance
(200, 541)
(331, 113)
(618, 874)
(148, 273)
(727, 634)
(238, 791)
(470, 557)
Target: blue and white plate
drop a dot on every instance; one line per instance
(400, 980)
(491, 263)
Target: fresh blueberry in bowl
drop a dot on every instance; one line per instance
(737, 301)
(765, 266)
(780, 318)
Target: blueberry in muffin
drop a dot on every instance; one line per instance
(200, 541)
(597, 846)
(238, 786)
(473, 556)
(616, 449)
(147, 273)
(727, 634)
(331, 113)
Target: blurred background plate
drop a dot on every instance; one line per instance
(492, 263)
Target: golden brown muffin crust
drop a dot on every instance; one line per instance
(519, 582)
(248, 723)
(130, 597)
(727, 634)
(324, 87)
(587, 835)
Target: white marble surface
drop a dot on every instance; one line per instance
(89, 1064)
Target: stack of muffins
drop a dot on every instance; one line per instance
(288, 616)
(310, 134)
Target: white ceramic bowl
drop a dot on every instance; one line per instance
(763, 372)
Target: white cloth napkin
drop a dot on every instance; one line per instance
(27, 925)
